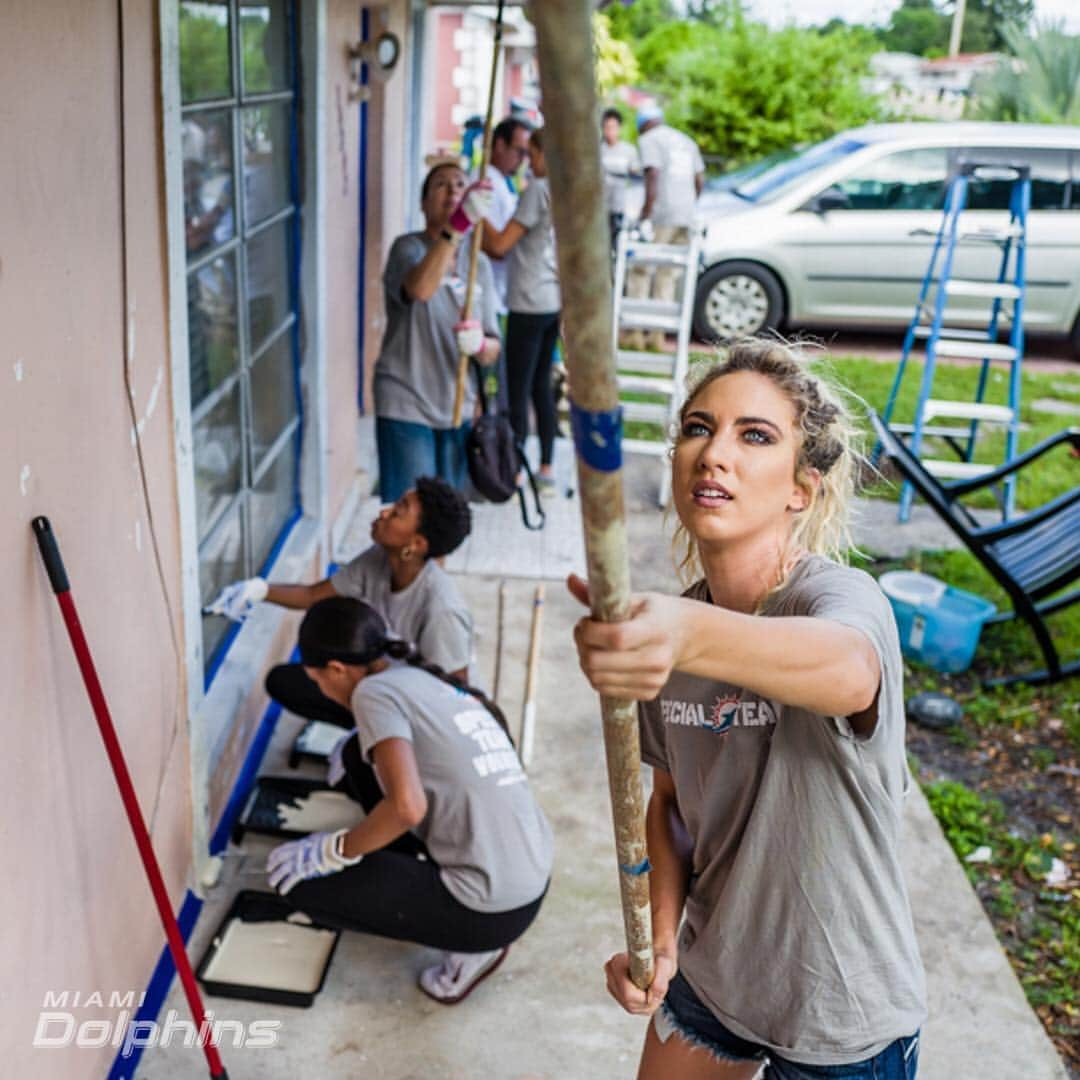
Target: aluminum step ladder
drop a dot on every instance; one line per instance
(652, 385)
(1005, 294)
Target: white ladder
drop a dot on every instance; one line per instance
(659, 377)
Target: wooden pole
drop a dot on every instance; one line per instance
(528, 708)
(572, 147)
(500, 611)
(478, 229)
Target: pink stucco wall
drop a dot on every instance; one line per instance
(76, 912)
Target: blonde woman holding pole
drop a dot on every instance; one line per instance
(772, 714)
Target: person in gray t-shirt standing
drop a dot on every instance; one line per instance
(532, 328)
(772, 713)
(451, 789)
(425, 283)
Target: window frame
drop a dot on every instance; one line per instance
(255, 462)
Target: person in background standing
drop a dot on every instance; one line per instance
(532, 329)
(674, 176)
(509, 147)
(416, 372)
(620, 161)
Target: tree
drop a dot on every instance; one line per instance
(1039, 84)
(985, 22)
(616, 64)
(742, 90)
(917, 26)
(631, 22)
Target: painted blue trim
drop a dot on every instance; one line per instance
(361, 259)
(157, 990)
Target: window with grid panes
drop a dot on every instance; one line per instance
(238, 132)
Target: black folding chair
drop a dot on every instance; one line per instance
(1032, 557)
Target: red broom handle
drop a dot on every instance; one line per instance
(54, 566)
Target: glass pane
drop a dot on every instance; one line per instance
(214, 353)
(266, 160)
(1049, 177)
(221, 562)
(218, 473)
(205, 65)
(269, 257)
(272, 502)
(209, 217)
(910, 180)
(273, 395)
(264, 32)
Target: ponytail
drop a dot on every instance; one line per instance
(352, 632)
(402, 650)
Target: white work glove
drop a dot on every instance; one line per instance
(237, 600)
(335, 765)
(475, 204)
(470, 337)
(645, 230)
(309, 857)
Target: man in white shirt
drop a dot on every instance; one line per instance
(674, 176)
(509, 147)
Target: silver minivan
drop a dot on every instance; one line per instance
(841, 234)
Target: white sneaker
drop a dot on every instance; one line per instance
(458, 974)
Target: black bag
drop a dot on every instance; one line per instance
(496, 457)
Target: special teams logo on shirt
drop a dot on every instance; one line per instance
(725, 713)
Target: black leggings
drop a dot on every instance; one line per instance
(397, 892)
(530, 350)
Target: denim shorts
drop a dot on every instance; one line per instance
(683, 1013)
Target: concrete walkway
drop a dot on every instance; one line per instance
(545, 1013)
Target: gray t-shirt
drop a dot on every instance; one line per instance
(483, 826)
(416, 373)
(619, 163)
(534, 273)
(797, 931)
(429, 613)
(677, 159)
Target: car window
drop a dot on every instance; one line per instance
(906, 180)
(772, 183)
(1049, 177)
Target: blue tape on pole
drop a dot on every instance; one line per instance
(598, 437)
(642, 867)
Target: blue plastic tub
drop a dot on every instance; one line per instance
(938, 625)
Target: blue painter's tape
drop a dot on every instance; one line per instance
(642, 867)
(598, 437)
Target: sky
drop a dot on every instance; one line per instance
(816, 12)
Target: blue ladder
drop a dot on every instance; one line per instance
(1007, 287)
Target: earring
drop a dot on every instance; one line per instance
(406, 552)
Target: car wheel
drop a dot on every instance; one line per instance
(737, 299)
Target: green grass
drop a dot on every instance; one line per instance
(1054, 474)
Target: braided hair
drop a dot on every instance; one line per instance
(348, 630)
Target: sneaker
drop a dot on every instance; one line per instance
(545, 484)
(459, 974)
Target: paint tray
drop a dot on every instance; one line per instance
(265, 950)
(315, 741)
(292, 806)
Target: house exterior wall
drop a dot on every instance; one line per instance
(81, 917)
(79, 914)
